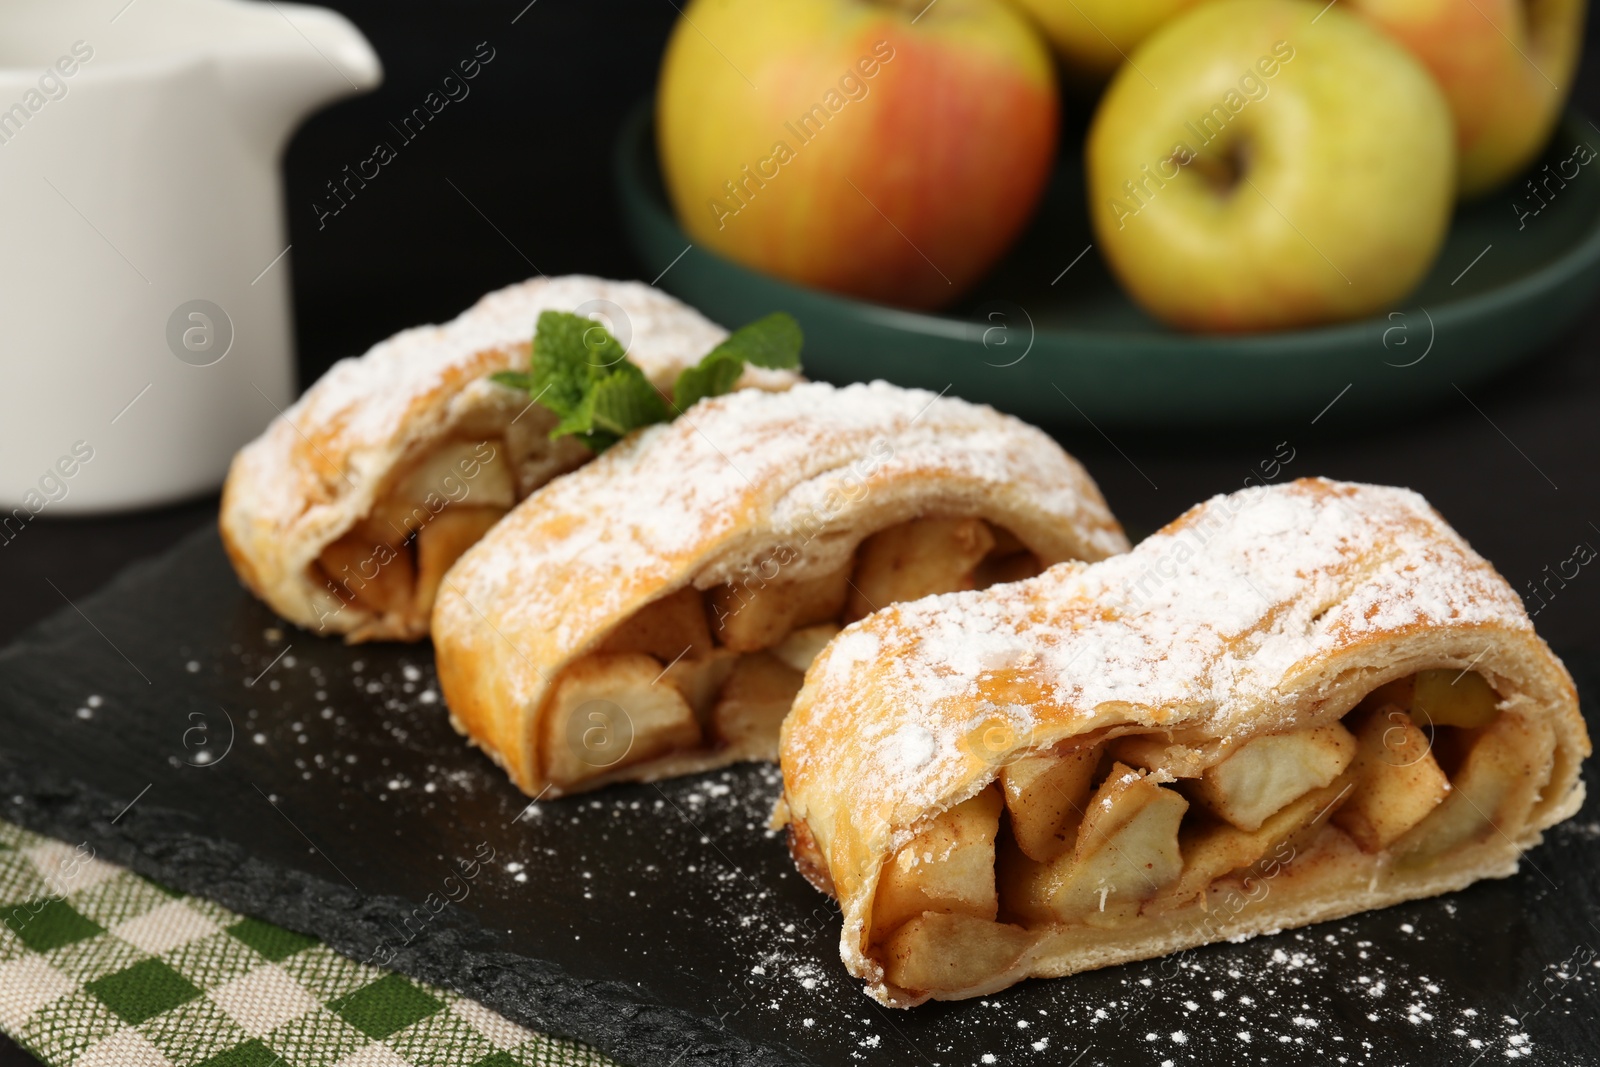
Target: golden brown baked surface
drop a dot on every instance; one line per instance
(323, 464)
(757, 488)
(1270, 613)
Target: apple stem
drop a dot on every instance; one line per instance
(1223, 169)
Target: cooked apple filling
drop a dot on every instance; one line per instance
(435, 508)
(1138, 828)
(704, 670)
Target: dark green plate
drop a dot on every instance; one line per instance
(1049, 331)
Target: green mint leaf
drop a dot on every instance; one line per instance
(576, 344)
(708, 378)
(625, 400)
(772, 342)
(579, 424)
(570, 354)
(582, 374)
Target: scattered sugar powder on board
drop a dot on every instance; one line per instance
(365, 709)
(1273, 988)
(1196, 1004)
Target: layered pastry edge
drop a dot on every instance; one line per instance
(722, 520)
(884, 799)
(344, 514)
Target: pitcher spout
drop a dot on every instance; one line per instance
(298, 58)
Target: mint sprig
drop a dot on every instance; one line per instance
(772, 342)
(582, 374)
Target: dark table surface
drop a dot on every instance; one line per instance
(1515, 465)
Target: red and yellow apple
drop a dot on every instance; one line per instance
(1094, 37)
(1292, 168)
(1506, 67)
(883, 149)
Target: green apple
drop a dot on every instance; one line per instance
(1094, 37)
(888, 149)
(1264, 164)
(1506, 66)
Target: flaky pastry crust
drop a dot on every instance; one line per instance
(1267, 610)
(320, 466)
(706, 499)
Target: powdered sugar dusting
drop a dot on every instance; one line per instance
(853, 649)
(363, 404)
(699, 497)
(320, 466)
(679, 888)
(1203, 626)
(1362, 991)
(911, 746)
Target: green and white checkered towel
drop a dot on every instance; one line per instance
(102, 968)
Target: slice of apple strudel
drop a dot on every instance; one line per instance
(346, 512)
(652, 614)
(1292, 704)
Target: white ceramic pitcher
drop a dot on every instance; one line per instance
(144, 286)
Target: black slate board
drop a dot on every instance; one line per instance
(320, 787)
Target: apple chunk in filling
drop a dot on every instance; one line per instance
(700, 678)
(1498, 782)
(1268, 772)
(607, 711)
(376, 575)
(1045, 796)
(750, 615)
(1008, 561)
(462, 472)
(947, 867)
(668, 628)
(917, 559)
(441, 543)
(455, 474)
(1126, 852)
(753, 701)
(944, 951)
(447, 499)
(1441, 698)
(1213, 848)
(800, 648)
(1400, 781)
